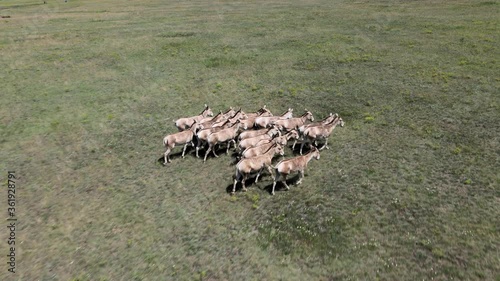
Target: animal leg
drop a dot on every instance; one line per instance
(275, 180)
(229, 145)
(258, 175)
(302, 145)
(301, 176)
(244, 189)
(213, 150)
(206, 153)
(184, 150)
(284, 181)
(325, 145)
(236, 179)
(294, 143)
(271, 172)
(165, 158)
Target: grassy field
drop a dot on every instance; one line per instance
(410, 189)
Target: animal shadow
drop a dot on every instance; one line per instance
(280, 186)
(189, 151)
(220, 150)
(249, 183)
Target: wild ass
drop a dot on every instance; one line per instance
(184, 137)
(251, 117)
(246, 143)
(294, 123)
(238, 115)
(224, 135)
(202, 135)
(209, 121)
(261, 149)
(281, 139)
(255, 164)
(313, 134)
(302, 128)
(184, 123)
(296, 164)
(260, 112)
(326, 120)
(230, 112)
(254, 133)
(266, 121)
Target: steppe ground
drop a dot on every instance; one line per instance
(409, 189)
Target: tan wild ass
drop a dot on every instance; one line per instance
(263, 122)
(238, 115)
(281, 139)
(246, 143)
(313, 134)
(224, 135)
(302, 128)
(184, 123)
(209, 121)
(261, 149)
(251, 117)
(260, 112)
(202, 135)
(254, 133)
(294, 123)
(296, 164)
(230, 112)
(184, 137)
(255, 164)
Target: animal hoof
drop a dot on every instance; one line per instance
(244, 190)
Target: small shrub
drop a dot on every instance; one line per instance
(369, 119)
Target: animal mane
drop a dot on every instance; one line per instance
(288, 110)
(271, 147)
(204, 109)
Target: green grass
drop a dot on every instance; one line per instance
(409, 189)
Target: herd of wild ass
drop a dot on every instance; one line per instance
(257, 137)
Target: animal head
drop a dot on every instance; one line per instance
(308, 114)
(341, 122)
(315, 152)
(230, 113)
(242, 115)
(264, 111)
(279, 150)
(274, 131)
(280, 140)
(196, 127)
(207, 111)
(293, 134)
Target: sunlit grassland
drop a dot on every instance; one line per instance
(409, 189)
